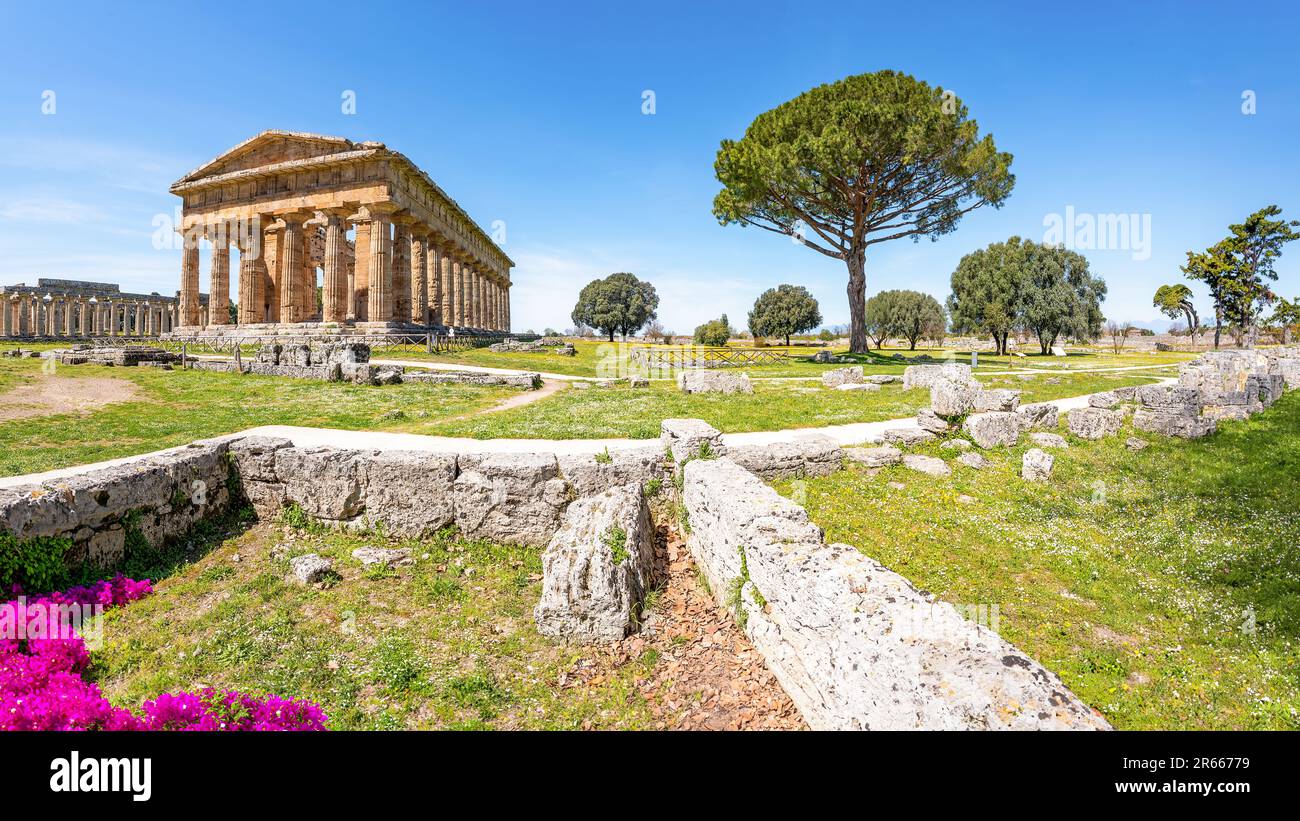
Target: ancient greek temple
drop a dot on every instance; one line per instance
(333, 236)
(72, 308)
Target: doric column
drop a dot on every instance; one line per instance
(433, 274)
(219, 276)
(334, 289)
(446, 286)
(7, 323)
(506, 327)
(379, 263)
(361, 266)
(307, 274)
(290, 278)
(350, 292)
(419, 312)
(401, 303)
(458, 292)
(252, 274)
(190, 278)
(476, 293)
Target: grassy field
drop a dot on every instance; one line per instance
(448, 643)
(1163, 585)
(622, 412)
(599, 358)
(176, 407)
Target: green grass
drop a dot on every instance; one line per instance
(622, 412)
(177, 407)
(448, 643)
(600, 358)
(1163, 585)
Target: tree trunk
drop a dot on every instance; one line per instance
(787, 340)
(1218, 326)
(857, 292)
(913, 341)
(611, 336)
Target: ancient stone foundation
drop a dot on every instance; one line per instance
(854, 644)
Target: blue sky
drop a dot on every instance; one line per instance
(533, 115)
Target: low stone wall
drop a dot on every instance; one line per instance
(525, 381)
(504, 497)
(855, 645)
(160, 497)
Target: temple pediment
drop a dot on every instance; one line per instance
(271, 148)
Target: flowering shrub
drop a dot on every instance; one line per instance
(41, 684)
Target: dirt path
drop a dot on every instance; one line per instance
(60, 394)
(707, 675)
(549, 386)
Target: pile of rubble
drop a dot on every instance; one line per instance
(713, 382)
(853, 379)
(124, 357)
(547, 344)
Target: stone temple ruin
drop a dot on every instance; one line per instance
(288, 201)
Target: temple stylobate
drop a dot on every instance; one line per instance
(384, 245)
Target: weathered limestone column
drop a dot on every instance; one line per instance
(190, 278)
(7, 323)
(139, 320)
(219, 276)
(458, 295)
(446, 286)
(379, 274)
(361, 267)
(401, 298)
(419, 312)
(507, 323)
(476, 293)
(252, 275)
(433, 280)
(351, 290)
(469, 319)
(291, 251)
(336, 292)
(307, 275)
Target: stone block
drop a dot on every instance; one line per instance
(843, 376)
(994, 428)
(1036, 465)
(510, 498)
(714, 382)
(1043, 416)
(1093, 423)
(907, 437)
(808, 455)
(877, 457)
(929, 465)
(685, 439)
(598, 567)
(590, 474)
